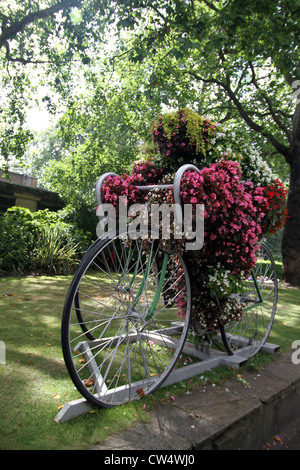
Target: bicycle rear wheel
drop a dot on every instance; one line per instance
(249, 334)
(121, 338)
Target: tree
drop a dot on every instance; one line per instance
(40, 42)
(245, 57)
(100, 132)
(241, 59)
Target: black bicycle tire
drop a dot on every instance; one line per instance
(224, 337)
(65, 339)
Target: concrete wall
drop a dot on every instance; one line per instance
(22, 179)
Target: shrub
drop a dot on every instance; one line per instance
(17, 240)
(51, 254)
(27, 236)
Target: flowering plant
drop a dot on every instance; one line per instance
(243, 202)
(232, 222)
(275, 210)
(146, 173)
(182, 136)
(118, 186)
(122, 186)
(231, 236)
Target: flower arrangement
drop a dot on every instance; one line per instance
(243, 203)
(182, 136)
(232, 222)
(146, 172)
(118, 186)
(275, 212)
(232, 231)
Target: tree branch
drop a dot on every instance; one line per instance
(23, 61)
(269, 104)
(253, 125)
(211, 6)
(9, 32)
(245, 115)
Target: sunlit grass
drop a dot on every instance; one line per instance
(286, 327)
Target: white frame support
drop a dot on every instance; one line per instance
(208, 359)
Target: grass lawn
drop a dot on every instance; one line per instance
(34, 381)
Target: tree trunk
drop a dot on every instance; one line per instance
(291, 233)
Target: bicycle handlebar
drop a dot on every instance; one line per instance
(176, 187)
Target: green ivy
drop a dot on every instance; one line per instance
(194, 126)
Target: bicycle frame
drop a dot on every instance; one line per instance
(144, 280)
(176, 188)
(260, 302)
(122, 333)
(178, 216)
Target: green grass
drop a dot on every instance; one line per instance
(34, 380)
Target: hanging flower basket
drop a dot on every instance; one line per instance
(182, 136)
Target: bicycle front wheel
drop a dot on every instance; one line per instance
(121, 329)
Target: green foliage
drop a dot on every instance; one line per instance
(82, 216)
(237, 60)
(274, 243)
(265, 29)
(41, 241)
(51, 254)
(41, 40)
(222, 283)
(200, 51)
(16, 242)
(100, 132)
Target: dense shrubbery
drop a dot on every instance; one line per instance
(39, 241)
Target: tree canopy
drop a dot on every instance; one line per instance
(237, 62)
(234, 60)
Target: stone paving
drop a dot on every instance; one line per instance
(244, 413)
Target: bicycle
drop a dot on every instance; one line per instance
(121, 333)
